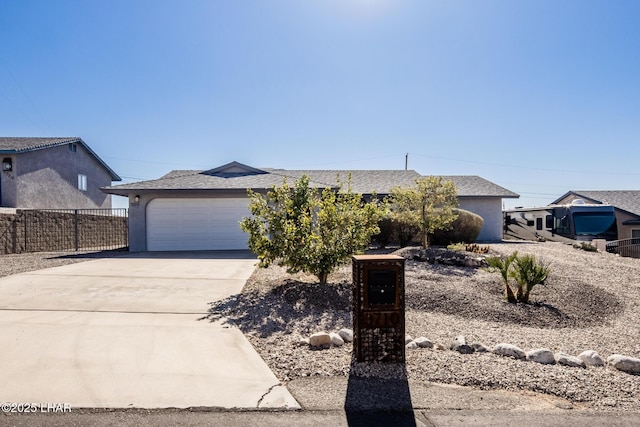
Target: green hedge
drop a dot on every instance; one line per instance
(465, 228)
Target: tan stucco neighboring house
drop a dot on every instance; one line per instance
(200, 210)
(625, 202)
(52, 173)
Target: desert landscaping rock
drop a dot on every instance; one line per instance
(624, 363)
(591, 358)
(407, 339)
(336, 339)
(509, 350)
(346, 334)
(589, 302)
(568, 360)
(459, 344)
(541, 355)
(480, 348)
(320, 339)
(423, 342)
(412, 345)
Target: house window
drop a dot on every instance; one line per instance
(635, 234)
(82, 182)
(73, 147)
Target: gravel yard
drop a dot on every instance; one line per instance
(590, 302)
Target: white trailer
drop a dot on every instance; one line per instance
(575, 222)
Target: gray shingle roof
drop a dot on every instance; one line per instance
(193, 180)
(475, 186)
(23, 144)
(362, 181)
(17, 145)
(627, 200)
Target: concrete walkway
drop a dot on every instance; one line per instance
(129, 332)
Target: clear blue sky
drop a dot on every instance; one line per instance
(539, 96)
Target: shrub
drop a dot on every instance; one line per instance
(429, 205)
(526, 270)
(457, 247)
(386, 234)
(476, 249)
(465, 228)
(503, 266)
(529, 272)
(308, 230)
(404, 232)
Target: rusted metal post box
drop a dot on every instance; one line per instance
(378, 308)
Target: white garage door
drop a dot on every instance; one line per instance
(196, 224)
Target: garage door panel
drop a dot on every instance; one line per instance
(196, 224)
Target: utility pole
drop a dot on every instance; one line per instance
(406, 161)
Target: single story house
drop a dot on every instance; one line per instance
(52, 173)
(625, 202)
(200, 210)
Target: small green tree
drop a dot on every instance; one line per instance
(307, 230)
(430, 205)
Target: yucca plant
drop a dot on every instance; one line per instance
(528, 272)
(503, 266)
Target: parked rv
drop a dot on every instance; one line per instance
(577, 221)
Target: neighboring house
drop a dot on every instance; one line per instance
(52, 173)
(626, 204)
(200, 210)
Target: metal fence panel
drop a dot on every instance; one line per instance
(625, 247)
(55, 230)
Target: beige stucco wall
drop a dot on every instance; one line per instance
(490, 209)
(48, 179)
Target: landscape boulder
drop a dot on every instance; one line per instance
(480, 348)
(346, 334)
(336, 339)
(542, 355)
(460, 345)
(423, 342)
(591, 358)
(510, 350)
(320, 339)
(624, 363)
(568, 360)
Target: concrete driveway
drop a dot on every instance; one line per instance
(128, 332)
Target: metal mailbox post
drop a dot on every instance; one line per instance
(378, 308)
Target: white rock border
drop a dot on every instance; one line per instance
(586, 359)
